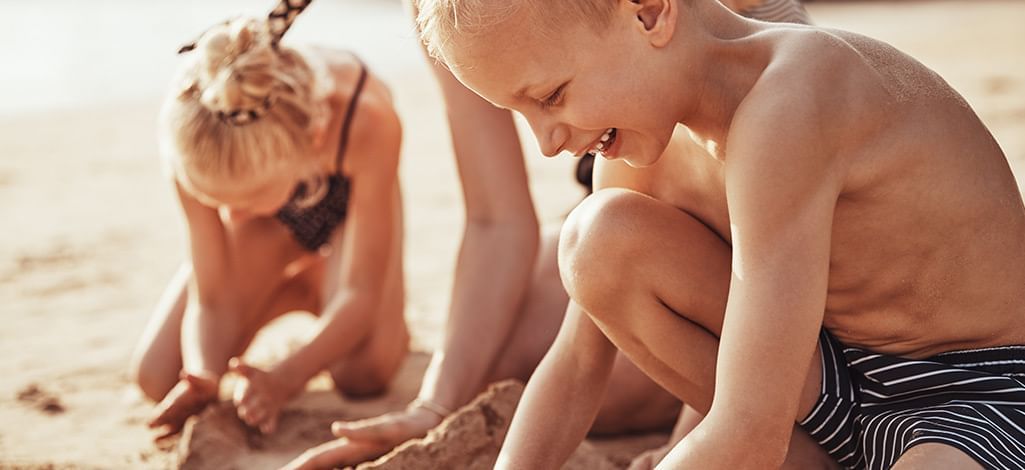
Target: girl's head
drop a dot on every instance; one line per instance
(243, 122)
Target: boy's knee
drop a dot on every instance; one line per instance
(595, 244)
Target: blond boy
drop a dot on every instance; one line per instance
(866, 282)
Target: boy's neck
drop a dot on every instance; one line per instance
(724, 59)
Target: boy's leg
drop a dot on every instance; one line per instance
(935, 456)
(655, 280)
(633, 401)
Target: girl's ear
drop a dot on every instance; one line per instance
(657, 18)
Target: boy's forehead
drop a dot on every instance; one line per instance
(507, 65)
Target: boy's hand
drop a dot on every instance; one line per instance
(258, 397)
(189, 396)
(360, 441)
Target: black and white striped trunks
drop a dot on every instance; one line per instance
(875, 407)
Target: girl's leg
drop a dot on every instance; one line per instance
(265, 294)
(655, 280)
(633, 403)
(370, 368)
(157, 357)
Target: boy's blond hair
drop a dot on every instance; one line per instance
(235, 69)
(439, 21)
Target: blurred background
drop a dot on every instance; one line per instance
(90, 234)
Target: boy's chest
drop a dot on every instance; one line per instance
(696, 186)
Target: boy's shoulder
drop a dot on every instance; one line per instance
(817, 91)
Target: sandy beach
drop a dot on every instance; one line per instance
(91, 234)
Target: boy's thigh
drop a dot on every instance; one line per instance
(935, 456)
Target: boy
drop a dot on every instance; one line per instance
(865, 282)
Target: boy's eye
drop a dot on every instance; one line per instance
(554, 98)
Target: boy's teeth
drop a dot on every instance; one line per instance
(604, 139)
(603, 142)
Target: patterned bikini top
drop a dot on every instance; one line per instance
(312, 226)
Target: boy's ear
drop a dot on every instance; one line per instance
(657, 18)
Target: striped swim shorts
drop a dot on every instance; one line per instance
(875, 407)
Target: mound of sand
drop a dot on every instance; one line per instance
(469, 439)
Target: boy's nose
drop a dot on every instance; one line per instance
(552, 138)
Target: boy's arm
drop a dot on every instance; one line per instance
(782, 185)
(562, 397)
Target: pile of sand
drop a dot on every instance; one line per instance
(469, 439)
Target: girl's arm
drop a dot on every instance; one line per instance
(357, 269)
(210, 326)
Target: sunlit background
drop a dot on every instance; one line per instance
(90, 234)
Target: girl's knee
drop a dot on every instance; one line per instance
(370, 370)
(154, 382)
(361, 383)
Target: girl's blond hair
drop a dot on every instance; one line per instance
(235, 69)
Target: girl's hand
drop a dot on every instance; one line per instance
(650, 458)
(258, 397)
(360, 441)
(189, 396)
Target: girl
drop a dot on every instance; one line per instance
(285, 165)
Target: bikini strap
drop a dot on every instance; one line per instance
(344, 139)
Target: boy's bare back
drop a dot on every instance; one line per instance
(928, 240)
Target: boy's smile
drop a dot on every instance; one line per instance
(582, 91)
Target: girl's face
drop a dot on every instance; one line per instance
(242, 201)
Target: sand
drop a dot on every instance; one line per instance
(91, 233)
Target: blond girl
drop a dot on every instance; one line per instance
(284, 162)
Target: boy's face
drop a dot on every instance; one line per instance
(581, 91)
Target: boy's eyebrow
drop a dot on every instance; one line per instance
(522, 92)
